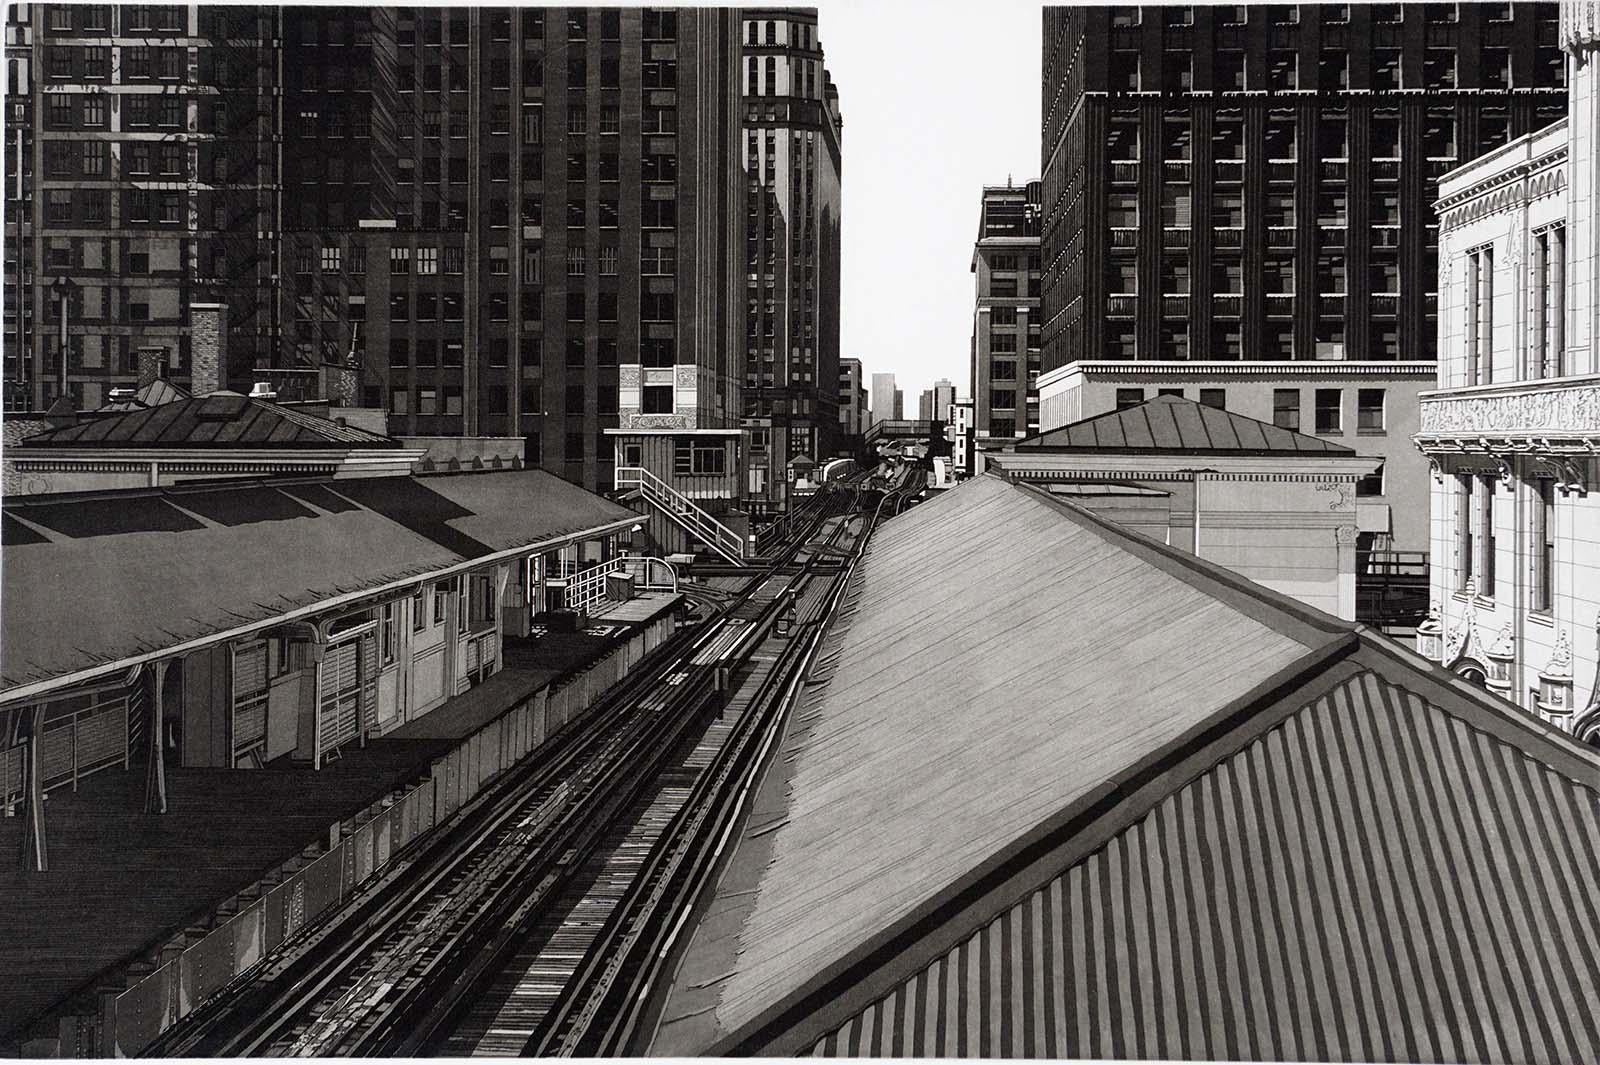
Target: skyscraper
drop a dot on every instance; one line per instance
(1005, 318)
(1237, 209)
(853, 416)
(883, 397)
(489, 226)
(1331, 121)
(792, 130)
(141, 181)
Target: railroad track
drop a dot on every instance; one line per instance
(606, 1009)
(564, 833)
(530, 998)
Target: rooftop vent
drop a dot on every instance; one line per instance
(262, 390)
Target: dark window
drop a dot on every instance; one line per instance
(1329, 411)
(1214, 397)
(1129, 397)
(1286, 408)
(1369, 410)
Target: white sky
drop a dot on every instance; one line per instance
(939, 99)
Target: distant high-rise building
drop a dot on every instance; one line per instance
(792, 130)
(1237, 208)
(925, 405)
(883, 393)
(853, 415)
(944, 394)
(523, 222)
(1005, 319)
(141, 181)
(899, 405)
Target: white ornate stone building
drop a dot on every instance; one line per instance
(1513, 430)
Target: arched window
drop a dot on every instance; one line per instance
(772, 33)
(752, 33)
(772, 76)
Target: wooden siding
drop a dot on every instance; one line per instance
(1372, 880)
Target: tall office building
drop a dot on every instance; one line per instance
(853, 415)
(1237, 207)
(792, 130)
(1005, 319)
(1162, 123)
(522, 222)
(934, 403)
(141, 184)
(883, 397)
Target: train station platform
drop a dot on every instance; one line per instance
(121, 883)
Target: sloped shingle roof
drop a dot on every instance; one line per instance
(987, 632)
(219, 419)
(1067, 800)
(1172, 423)
(92, 581)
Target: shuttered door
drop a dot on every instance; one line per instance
(341, 694)
(369, 686)
(249, 696)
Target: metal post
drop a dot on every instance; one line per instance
(155, 785)
(36, 850)
(1195, 478)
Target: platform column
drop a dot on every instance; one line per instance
(36, 854)
(155, 781)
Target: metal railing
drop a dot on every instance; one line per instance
(588, 587)
(683, 510)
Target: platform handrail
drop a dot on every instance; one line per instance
(588, 587)
(685, 511)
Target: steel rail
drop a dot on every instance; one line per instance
(600, 1016)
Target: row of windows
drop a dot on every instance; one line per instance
(1230, 72)
(1280, 138)
(1276, 277)
(1546, 317)
(1276, 344)
(139, 110)
(1328, 14)
(1476, 543)
(1276, 210)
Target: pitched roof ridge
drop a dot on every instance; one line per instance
(860, 977)
(1292, 440)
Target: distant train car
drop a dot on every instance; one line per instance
(837, 470)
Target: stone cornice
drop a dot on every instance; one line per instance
(1555, 417)
(1521, 182)
(1151, 368)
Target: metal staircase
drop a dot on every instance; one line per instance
(685, 511)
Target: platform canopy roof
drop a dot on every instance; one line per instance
(1086, 796)
(98, 581)
(221, 419)
(1169, 424)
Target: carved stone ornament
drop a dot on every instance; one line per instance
(1560, 665)
(1344, 535)
(1504, 646)
(1558, 410)
(1504, 468)
(1343, 494)
(1455, 642)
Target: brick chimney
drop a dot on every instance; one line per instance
(152, 366)
(208, 347)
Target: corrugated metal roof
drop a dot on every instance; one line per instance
(982, 683)
(95, 580)
(216, 420)
(1373, 879)
(1172, 423)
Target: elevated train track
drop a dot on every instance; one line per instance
(527, 926)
